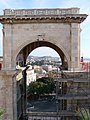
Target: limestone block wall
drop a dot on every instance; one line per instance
(8, 95)
(63, 35)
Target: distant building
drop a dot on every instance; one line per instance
(55, 73)
(36, 67)
(41, 75)
(47, 67)
(45, 58)
(31, 76)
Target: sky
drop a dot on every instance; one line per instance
(84, 6)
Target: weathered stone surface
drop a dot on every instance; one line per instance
(25, 30)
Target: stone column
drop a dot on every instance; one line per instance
(75, 46)
(8, 94)
(8, 42)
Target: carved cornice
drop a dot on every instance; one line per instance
(69, 15)
(67, 18)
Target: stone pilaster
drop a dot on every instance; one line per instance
(75, 46)
(8, 94)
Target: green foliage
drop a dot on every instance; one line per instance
(1, 113)
(50, 84)
(84, 114)
(43, 85)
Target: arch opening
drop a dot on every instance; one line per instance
(24, 52)
(43, 54)
(22, 86)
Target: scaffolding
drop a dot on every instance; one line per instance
(73, 94)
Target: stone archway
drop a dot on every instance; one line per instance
(27, 49)
(60, 27)
(56, 28)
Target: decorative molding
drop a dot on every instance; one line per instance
(31, 12)
(42, 16)
(43, 19)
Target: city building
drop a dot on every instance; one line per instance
(31, 76)
(47, 67)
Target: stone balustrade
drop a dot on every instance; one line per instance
(30, 12)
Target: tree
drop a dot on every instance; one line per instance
(50, 83)
(41, 86)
